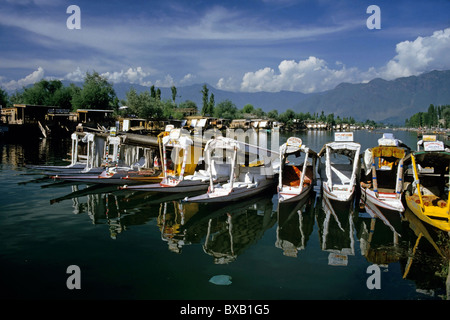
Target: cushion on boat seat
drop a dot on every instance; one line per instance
(429, 200)
(292, 175)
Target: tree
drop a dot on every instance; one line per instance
(211, 104)
(330, 119)
(446, 115)
(174, 93)
(158, 94)
(97, 93)
(226, 109)
(432, 116)
(287, 116)
(205, 94)
(48, 93)
(4, 99)
(273, 114)
(144, 105)
(153, 92)
(248, 108)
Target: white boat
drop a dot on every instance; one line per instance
(296, 180)
(244, 180)
(383, 167)
(112, 171)
(175, 180)
(341, 167)
(79, 163)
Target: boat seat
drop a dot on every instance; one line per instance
(220, 169)
(198, 175)
(341, 172)
(429, 200)
(292, 175)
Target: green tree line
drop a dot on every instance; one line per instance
(97, 93)
(434, 117)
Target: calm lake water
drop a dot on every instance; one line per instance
(146, 246)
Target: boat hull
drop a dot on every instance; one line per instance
(338, 196)
(384, 200)
(435, 216)
(235, 194)
(102, 178)
(183, 186)
(291, 195)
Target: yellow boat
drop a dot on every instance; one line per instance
(427, 196)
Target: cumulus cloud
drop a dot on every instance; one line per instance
(188, 78)
(76, 76)
(33, 77)
(227, 84)
(418, 56)
(309, 75)
(132, 75)
(314, 74)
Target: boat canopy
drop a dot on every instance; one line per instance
(431, 159)
(388, 152)
(294, 145)
(176, 139)
(222, 143)
(345, 148)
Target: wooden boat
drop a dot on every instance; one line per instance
(111, 172)
(428, 194)
(340, 176)
(112, 175)
(295, 179)
(384, 163)
(175, 180)
(244, 180)
(79, 163)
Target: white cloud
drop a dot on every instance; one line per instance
(418, 56)
(227, 84)
(314, 75)
(132, 75)
(309, 75)
(188, 78)
(166, 82)
(76, 76)
(33, 77)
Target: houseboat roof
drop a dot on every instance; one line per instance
(94, 110)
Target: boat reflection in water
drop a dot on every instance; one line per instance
(295, 225)
(335, 220)
(225, 232)
(231, 230)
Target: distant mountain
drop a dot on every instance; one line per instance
(380, 100)
(267, 101)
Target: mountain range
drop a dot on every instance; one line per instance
(380, 100)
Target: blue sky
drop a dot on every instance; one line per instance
(245, 45)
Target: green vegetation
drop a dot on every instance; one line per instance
(435, 117)
(97, 93)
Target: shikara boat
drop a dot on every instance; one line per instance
(428, 194)
(245, 179)
(383, 173)
(295, 179)
(183, 178)
(111, 175)
(111, 172)
(79, 163)
(340, 167)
